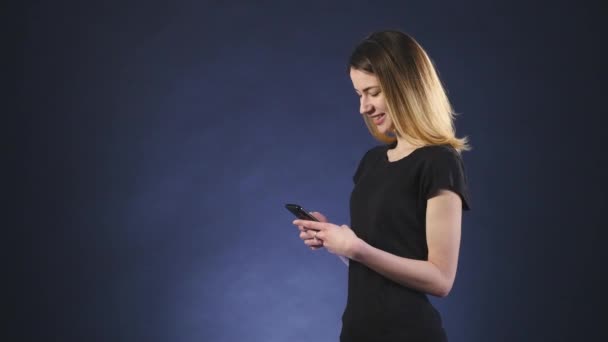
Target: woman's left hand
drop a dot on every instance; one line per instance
(340, 240)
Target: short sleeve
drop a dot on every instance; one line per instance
(445, 171)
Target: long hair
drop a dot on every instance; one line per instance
(416, 100)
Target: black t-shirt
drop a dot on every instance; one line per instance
(388, 211)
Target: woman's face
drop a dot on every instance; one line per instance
(372, 101)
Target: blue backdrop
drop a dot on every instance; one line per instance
(159, 141)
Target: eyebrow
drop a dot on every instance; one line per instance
(368, 88)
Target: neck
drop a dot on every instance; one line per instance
(406, 143)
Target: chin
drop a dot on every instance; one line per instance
(384, 130)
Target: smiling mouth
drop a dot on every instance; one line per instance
(378, 118)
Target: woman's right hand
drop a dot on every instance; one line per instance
(308, 235)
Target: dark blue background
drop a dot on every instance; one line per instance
(158, 141)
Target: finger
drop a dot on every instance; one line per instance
(310, 242)
(313, 234)
(305, 235)
(311, 224)
(313, 242)
(319, 246)
(319, 216)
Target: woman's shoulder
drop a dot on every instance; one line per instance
(442, 156)
(440, 151)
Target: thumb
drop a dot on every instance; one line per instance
(319, 216)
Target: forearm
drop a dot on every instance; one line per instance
(421, 275)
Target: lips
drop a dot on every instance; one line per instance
(378, 119)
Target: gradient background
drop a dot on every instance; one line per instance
(157, 142)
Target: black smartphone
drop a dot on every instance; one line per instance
(300, 213)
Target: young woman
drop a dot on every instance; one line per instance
(407, 201)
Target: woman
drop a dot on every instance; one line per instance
(407, 201)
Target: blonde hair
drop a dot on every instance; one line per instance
(417, 102)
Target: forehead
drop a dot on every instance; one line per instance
(362, 79)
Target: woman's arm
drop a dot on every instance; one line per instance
(316, 244)
(435, 276)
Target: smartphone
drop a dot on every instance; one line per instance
(300, 213)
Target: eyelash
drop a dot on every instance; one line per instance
(372, 95)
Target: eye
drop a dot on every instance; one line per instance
(375, 94)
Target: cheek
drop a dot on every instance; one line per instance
(388, 121)
(382, 104)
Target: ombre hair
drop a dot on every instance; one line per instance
(416, 100)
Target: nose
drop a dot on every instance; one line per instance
(365, 107)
